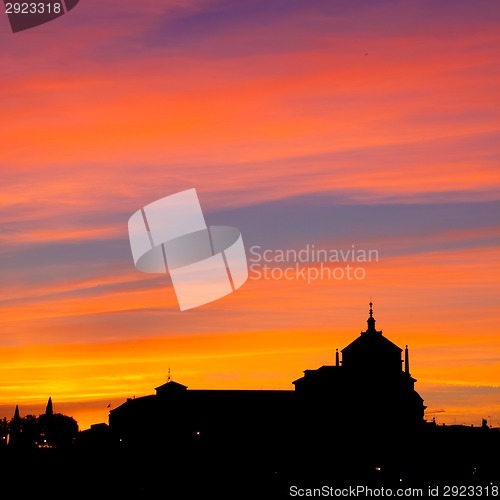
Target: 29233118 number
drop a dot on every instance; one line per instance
(33, 8)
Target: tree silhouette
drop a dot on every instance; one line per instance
(24, 431)
(4, 431)
(53, 430)
(57, 430)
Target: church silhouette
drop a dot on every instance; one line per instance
(366, 400)
(359, 419)
(368, 383)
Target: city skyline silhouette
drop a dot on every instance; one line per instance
(362, 408)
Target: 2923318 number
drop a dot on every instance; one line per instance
(470, 491)
(33, 8)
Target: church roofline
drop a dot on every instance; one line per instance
(171, 384)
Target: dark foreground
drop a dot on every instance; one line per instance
(160, 472)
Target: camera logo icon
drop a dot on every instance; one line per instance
(171, 236)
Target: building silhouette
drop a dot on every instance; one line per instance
(357, 419)
(367, 385)
(364, 399)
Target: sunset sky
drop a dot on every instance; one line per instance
(327, 122)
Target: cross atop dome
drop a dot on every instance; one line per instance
(371, 321)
